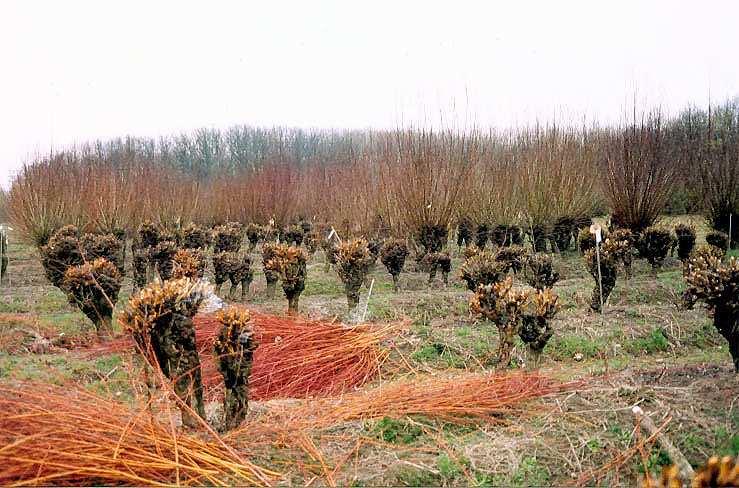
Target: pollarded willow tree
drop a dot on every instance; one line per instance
(492, 199)
(93, 287)
(708, 141)
(159, 318)
(234, 352)
(422, 177)
(392, 255)
(686, 236)
(716, 284)
(720, 171)
(556, 182)
(290, 263)
(352, 263)
(640, 172)
(481, 268)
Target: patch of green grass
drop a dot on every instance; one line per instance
(633, 313)
(462, 308)
(691, 442)
(530, 473)
(428, 352)
(655, 462)
(654, 342)
(477, 341)
(421, 329)
(101, 375)
(320, 286)
(565, 347)
(594, 445)
(67, 323)
(417, 477)
(438, 353)
(484, 480)
(397, 431)
(482, 348)
(727, 444)
(383, 282)
(703, 334)
(449, 468)
(13, 305)
(621, 435)
(53, 301)
(463, 332)
(434, 306)
(411, 430)
(381, 307)
(673, 280)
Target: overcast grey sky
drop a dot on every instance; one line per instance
(74, 71)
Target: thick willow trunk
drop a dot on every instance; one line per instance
(727, 323)
(105, 327)
(245, 285)
(352, 299)
(540, 238)
(176, 351)
(271, 287)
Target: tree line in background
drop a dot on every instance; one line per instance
(544, 180)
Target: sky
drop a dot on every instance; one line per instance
(75, 71)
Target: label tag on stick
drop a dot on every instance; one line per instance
(596, 229)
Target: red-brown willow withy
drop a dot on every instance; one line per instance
(460, 399)
(423, 176)
(296, 358)
(640, 173)
(54, 435)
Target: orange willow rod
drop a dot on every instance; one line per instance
(53, 435)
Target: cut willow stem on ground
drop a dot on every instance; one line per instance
(53, 435)
(621, 459)
(460, 399)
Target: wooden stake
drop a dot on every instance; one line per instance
(677, 457)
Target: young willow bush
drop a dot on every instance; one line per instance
(719, 164)
(640, 173)
(422, 180)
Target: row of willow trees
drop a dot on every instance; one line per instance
(400, 181)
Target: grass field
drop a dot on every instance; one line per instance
(644, 350)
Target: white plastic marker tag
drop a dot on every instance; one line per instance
(211, 303)
(595, 229)
(333, 231)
